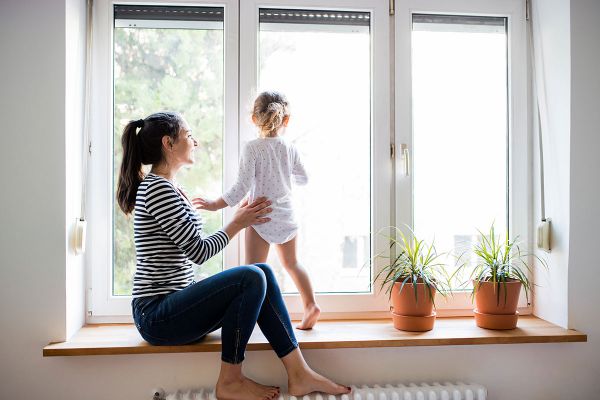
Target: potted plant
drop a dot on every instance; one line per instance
(500, 271)
(412, 276)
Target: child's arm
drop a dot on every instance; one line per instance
(210, 205)
(237, 191)
(298, 171)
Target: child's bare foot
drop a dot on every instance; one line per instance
(309, 381)
(244, 389)
(311, 315)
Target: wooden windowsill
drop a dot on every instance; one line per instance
(107, 339)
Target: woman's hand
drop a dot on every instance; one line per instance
(249, 214)
(210, 205)
(252, 214)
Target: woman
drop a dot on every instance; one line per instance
(168, 307)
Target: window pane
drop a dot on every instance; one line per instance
(179, 70)
(460, 125)
(324, 70)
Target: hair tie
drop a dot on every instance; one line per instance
(139, 123)
(274, 107)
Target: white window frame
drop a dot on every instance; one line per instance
(519, 169)
(391, 193)
(102, 306)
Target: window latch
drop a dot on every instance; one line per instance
(405, 159)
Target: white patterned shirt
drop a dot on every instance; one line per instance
(268, 166)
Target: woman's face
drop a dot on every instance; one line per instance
(183, 149)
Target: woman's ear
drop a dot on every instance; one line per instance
(254, 119)
(286, 119)
(167, 143)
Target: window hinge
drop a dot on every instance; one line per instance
(527, 9)
(392, 150)
(88, 302)
(392, 7)
(90, 148)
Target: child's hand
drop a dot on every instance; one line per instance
(210, 205)
(204, 204)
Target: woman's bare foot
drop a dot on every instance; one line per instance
(244, 389)
(311, 315)
(309, 381)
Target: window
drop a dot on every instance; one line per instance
(332, 63)
(169, 58)
(461, 116)
(459, 102)
(330, 50)
(460, 119)
(149, 57)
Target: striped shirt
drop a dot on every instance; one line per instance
(168, 239)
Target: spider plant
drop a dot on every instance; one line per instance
(412, 261)
(500, 260)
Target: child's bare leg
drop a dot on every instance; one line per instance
(303, 380)
(257, 248)
(287, 255)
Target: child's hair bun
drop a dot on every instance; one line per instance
(270, 110)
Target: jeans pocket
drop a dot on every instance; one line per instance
(141, 308)
(147, 329)
(138, 319)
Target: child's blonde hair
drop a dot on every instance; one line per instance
(269, 112)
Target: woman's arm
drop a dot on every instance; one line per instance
(167, 207)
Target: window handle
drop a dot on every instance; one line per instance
(405, 159)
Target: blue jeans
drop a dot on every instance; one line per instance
(234, 300)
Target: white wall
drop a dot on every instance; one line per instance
(34, 210)
(552, 44)
(584, 296)
(32, 204)
(75, 44)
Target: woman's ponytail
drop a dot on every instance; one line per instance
(143, 148)
(131, 174)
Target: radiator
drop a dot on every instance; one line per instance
(422, 391)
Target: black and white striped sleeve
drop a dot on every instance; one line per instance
(167, 207)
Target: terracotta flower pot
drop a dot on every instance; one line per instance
(410, 314)
(489, 301)
(496, 304)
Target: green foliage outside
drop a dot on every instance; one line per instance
(176, 70)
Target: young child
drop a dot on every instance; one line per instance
(268, 166)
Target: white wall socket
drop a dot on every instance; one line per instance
(80, 233)
(544, 235)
